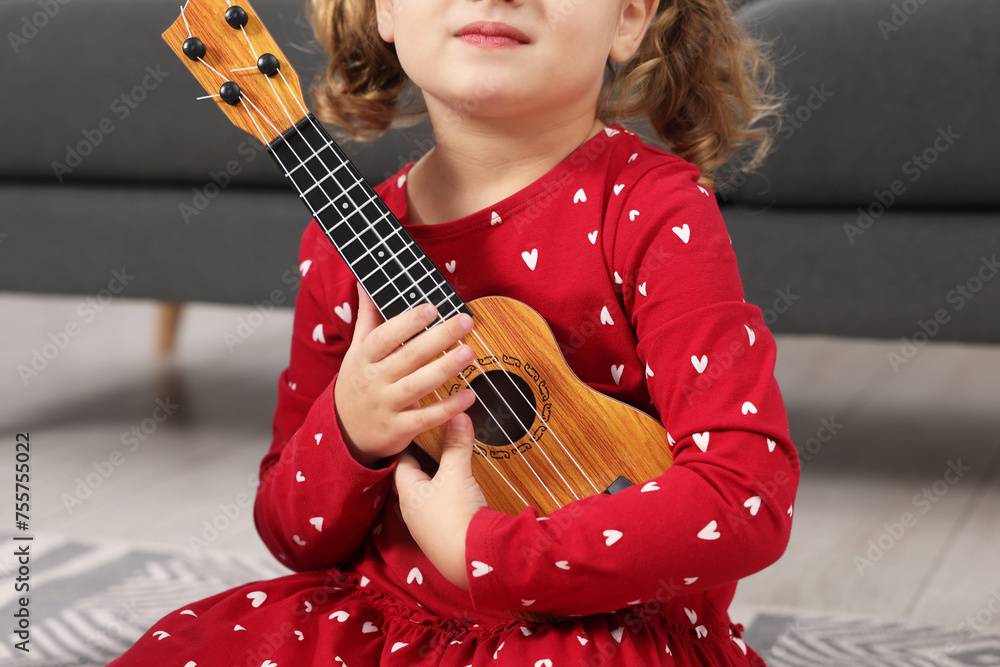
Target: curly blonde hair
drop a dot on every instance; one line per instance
(705, 86)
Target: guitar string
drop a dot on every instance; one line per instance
(330, 173)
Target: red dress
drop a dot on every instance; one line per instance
(628, 260)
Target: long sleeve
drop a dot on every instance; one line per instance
(315, 502)
(723, 510)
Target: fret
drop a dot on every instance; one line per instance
(385, 259)
(316, 184)
(302, 162)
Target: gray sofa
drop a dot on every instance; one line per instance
(876, 217)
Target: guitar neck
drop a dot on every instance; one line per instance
(391, 267)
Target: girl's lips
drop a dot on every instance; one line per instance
(492, 34)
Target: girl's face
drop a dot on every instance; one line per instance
(555, 63)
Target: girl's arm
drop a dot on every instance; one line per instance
(724, 510)
(315, 502)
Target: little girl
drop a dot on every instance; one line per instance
(532, 192)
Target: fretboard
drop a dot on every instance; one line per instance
(392, 268)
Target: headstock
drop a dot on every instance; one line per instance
(229, 51)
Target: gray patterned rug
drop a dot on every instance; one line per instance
(90, 600)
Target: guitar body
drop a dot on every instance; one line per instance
(573, 442)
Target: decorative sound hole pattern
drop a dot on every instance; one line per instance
(496, 424)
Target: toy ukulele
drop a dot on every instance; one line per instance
(543, 438)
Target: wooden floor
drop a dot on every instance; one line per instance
(898, 513)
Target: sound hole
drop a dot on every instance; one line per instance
(501, 414)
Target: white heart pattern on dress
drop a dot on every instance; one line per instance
(618, 188)
(633, 157)
(632, 215)
(530, 258)
(400, 181)
(670, 439)
(298, 633)
(299, 541)
(450, 266)
(188, 612)
(318, 334)
(343, 311)
(649, 371)
(592, 236)
(415, 575)
(238, 628)
(582, 640)
(642, 289)
(563, 565)
(257, 598)
(299, 477)
(397, 646)
(750, 334)
(649, 486)
(709, 532)
(527, 603)
(699, 364)
(369, 627)
(706, 192)
(741, 644)
(618, 279)
(770, 445)
(749, 407)
(544, 662)
(606, 316)
(480, 568)
(616, 372)
(304, 267)
(701, 439)
(495, 219)
(318, 436)
(612, 536)
(683, 232)
(580, 196)
(692, 615)
(690, 580)
(617, 633)
(701, 631)
(318, 522)
(161, 635)
(753, 504)
(340, 616)
(526, 631)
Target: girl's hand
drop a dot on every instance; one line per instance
(378, 391)
(438, 511)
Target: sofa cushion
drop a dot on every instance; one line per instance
(891, 100)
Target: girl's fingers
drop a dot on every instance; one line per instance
(368, 316)
(426, 379)
(437, 413)
(388, 337)
(426, 347)
(408, 472)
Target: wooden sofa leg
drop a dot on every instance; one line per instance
(170, 315)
